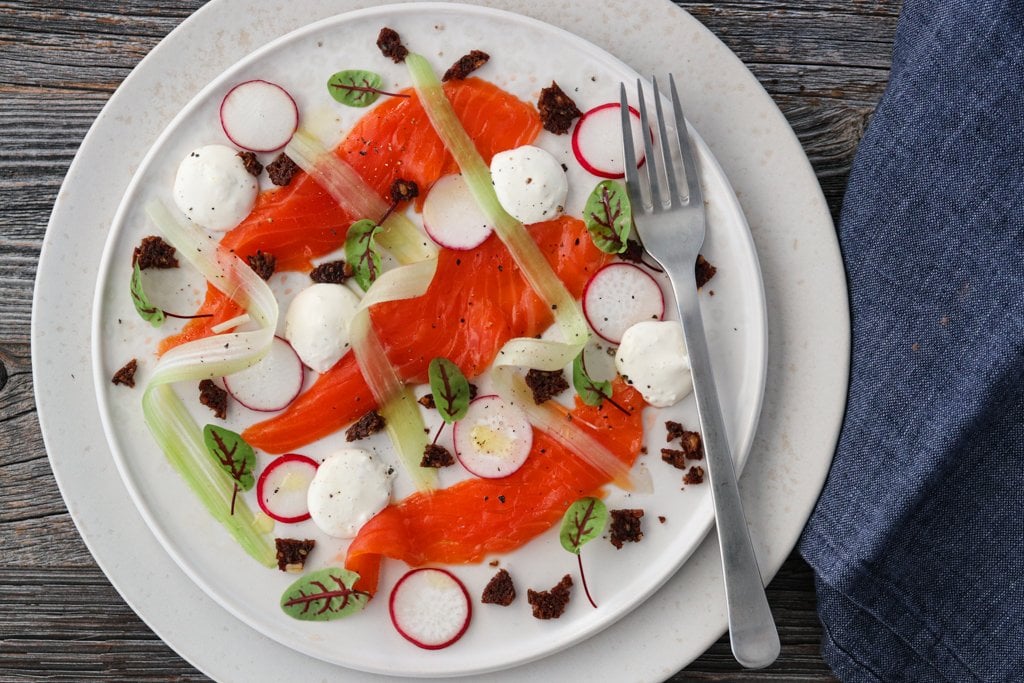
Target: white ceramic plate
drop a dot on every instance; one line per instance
(804, 286)
(619, 579)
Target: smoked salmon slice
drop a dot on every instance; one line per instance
(477, 301)
(301, 221)
(475, 518)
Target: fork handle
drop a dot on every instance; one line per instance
(752, 632)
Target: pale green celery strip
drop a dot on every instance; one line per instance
(172, 426)
(519, 353)
(398, 234)
(397, 404)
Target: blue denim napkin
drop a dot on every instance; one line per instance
(917, 542)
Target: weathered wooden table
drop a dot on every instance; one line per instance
(826, 63)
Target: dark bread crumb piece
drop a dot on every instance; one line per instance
(367, 425)
(427, 400)
(546, 384)
(494, 563)
(499, 590)
(625, 527)
(390, 44)
(251, 163)
(703, 271)
(282, 169)
(332, 272)
(214, 398)
(466, 65)
(675, 430)
(436, 456)
(557, 110)
(694, 476)
(263, 264)
(153, 252)
(126, 375)
(673, 457)
(550, 604)
(292, 553)
(691, 448)
(662, 518)
(404, 190)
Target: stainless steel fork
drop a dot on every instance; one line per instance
(668, 209)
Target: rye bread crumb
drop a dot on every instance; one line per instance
(625, 527)
(404, 190)
(214, 398)
(369, 424)
(466, 65)
(557, 110)
(282, 169)
(694, 476)
(126, 375)
(703, 271)
(292, 553)
(332, 272)
(546, 384)
(550, 604)
(436, 456)
(499, 590)
(390, 44)
(252, 165)
(153, 252)
(263, 264)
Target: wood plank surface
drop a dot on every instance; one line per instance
(825, 62)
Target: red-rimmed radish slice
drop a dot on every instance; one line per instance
(281, 488)
(259, 116)
(494, 439)
(452, 217)
(619, 296)
(597, 140)
(430, 608)
(272, 383)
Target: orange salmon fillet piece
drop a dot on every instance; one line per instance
(477, 301)
(301, 222)
(475, 518)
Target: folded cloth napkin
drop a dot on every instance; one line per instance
(917, 542)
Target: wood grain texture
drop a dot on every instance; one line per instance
(825, 62)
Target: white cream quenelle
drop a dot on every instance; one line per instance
(350, 487)
(530, 183)
(652, 357)
(317, 322)
(213, 188)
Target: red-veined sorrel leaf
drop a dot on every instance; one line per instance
(324, 595)
(362, 253)
(609, 216)
(450, 388)
(357, 88)
(234, 455)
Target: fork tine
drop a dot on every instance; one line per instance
(694, 195)
(651, 163)
(666, 150)
(628, 151)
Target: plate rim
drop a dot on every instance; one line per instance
(188, 642)
(710, 165)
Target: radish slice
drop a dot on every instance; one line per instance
(281, 489)
(494, 439)
(597, 140)
(619, 296)
(259, 116)
(272, 383)
(430, 608)
(452, 217)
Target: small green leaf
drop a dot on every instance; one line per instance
(145, 308)
(583, 522)
(609, 216)
(355, 88)
(589, 390)
(324, 595)
(232, 453)
(450, 388)
(362, 253)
